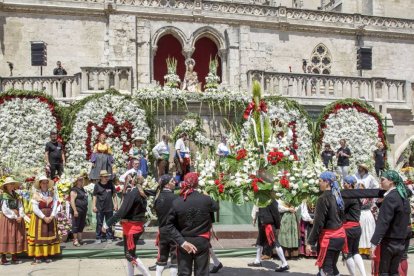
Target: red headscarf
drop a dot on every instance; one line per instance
(188, 185)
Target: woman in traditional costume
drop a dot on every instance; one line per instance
(367, 222)
(307, 215)
(12, 226)
(43, 240)
(327, 229)
(102, 158)
(353, 229)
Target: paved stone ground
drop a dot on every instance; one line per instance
(116, 266)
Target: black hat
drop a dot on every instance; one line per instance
(164, 180)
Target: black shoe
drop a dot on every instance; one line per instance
(281, 269)
(255, 264)
(216, 269)
(152, 268)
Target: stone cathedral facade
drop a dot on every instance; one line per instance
(301, 49)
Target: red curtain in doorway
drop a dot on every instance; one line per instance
(204, 49)
(168, 46)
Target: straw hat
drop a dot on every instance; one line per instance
(138, 138)
(363, 166)
(43, 178)
(8, 181)
(104, 173)
(82, 175)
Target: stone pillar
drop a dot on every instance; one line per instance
(223, 56)
(244, 46)
(145, 54)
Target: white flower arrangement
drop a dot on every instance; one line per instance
(25, 125)
(360, 130)
(123, 110)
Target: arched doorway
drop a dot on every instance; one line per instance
(168, 46)
(204, 49)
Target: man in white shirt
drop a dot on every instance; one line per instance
(135, 171)
(364, 177)
(182, 157)
(161, 153)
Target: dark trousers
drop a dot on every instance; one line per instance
(353, 235)
(332, 255)
(56, 170)
(379, 171)
(166, 248)
(131, 255)
(78, 224)
(200, 260)
(391, 254)
(100, 216)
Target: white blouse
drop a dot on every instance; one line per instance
(37, 210)
(9, 213)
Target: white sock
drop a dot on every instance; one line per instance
(360, 264)
(159, 270)
(173, 271)
(142, 268)
(258, 254)
(281, 256)
(130, 269)
(350, 264)
(213, 256)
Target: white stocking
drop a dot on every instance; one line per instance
(159, 270)
(142, 268)
(360, 264)
(213, 256)
(350, 264)
(130, 269)
(173, 271)
(258, 254)
(281, 256)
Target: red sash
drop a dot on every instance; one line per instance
(324, 239)
(350, 224)
(206, 235)
(376, 261)
(270, 235)
(157, 239)
(130, 228)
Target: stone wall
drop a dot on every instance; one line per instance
(75, 40)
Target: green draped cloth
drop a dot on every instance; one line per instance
(288, 234)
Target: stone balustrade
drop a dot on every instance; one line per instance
(323, 89)
(102, 78)
(56, 86)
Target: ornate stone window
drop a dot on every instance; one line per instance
(321, 60)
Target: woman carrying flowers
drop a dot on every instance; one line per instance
(12, 226)
(102, 158)
(79, 208)
(43, 240)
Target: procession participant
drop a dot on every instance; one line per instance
(132, 217)
(101, 158)
(391, 228)
(162, 205)
(327, 225)
(268, 222)
(288, 236)
(353, 229)
(137, 152)
(134, 171)
(104, 202)
(78, 208)
(367, 223)
(222, 148)
(327, 157)
(307, 215)
(43, 237)
(380, 157)
(343, 154)
(182, 157)
(363, 176)
(403, 267)
(54, 156)
(12, 226)
(161, 153)
(189, 225)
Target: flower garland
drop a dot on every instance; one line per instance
(26, 121)
(356, 122)
(192, 126)
(118, 117)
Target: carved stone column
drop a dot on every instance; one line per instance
(223, 56)
(145, 55)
